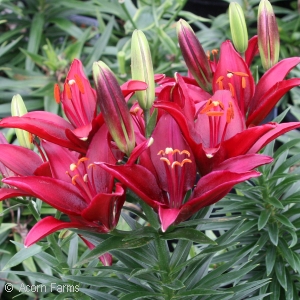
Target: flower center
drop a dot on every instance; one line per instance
(175, 172)
(215, 110)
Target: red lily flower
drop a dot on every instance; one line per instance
(79, 103)
(215, 129)
(85, 193)
(167, 171)
(231, 72)
(18, 161)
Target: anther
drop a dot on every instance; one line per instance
(73, 166)
(166, 160)
(215, 51)
(243, 82)
(231, 88)
(214, 113)
(68, 91)
(79, 83)
(56, 93)
(208, 54)
(74, 179)
(91, 165)
(82, 159)
(169, 150)
(85, 177)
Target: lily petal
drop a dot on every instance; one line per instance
(45, 227)
(167, 216)
(59, 194)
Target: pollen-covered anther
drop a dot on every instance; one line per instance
(242, 74)
(219, 81)
(208, 54)
(71, 81)
(231, 88)
(79, 83)
(73, 167)
(229, 113)
(74, 179)
(68, 91)
(85, 177)
(243, 82)
(177, 163)
(56, 93)
(215, 113)
(91, 165)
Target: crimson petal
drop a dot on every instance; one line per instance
(59, 194)
(47, 226)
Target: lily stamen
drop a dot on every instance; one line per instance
(79, 83)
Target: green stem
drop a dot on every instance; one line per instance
(174, 16)
(146, 119)
(128, 15)
(163, 262)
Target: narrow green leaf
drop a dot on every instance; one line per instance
(200, 292)
(273, 233)
(287, 253)
(280, 274)
(189, 234)
(99, 46)
(23, 254)
(263, 218)
(167, 42)
(287, 164)
(113, 243)
(6, 226)
(140, 233)
(35, 35)
(142, 295)
(275, 202)
(6, 48)
(67, 26)
(98, 295)
(285, 221)
(275, 289)
(270, 259)
(259, 244)
(175, 285)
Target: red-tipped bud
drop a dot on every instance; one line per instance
(194, 55)
(268, 36)
(113, 107)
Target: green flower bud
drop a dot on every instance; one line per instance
(121, 63)
(142, 68)
(18, 109)
(238, 27)
(268, 36)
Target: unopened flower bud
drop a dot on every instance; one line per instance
(268, 36)
(238, 27)
(142, 68)
(18, 109)
(113, 107)
(121, 63)
(194, 55)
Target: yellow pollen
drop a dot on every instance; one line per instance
(71, 81)
(73, 166)
(169, 150)
(85, 177)
(74, 179)
(166, 160)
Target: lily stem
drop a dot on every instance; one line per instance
(163, 262)
(128, 15)
(146, 119)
